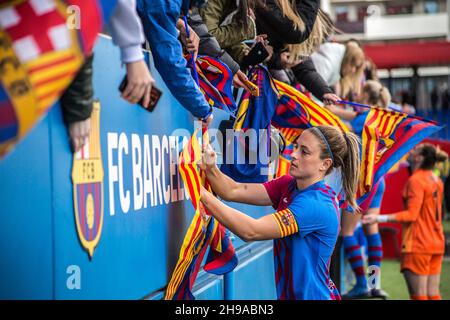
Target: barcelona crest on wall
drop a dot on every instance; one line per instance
(87, 179)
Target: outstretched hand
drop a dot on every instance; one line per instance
(369, 219)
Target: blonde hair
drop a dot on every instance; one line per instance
(289, 10)
(322, 28)
(377, 94)
(350, 81)
(345, 150)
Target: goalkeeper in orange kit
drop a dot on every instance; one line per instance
(423, 236)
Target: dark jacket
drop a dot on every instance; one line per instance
(76, 102)
(280, 31)
(208, 44)
(159, 18)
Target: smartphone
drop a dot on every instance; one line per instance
(256, 55)
(155, 95)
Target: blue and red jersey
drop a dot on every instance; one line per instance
(309, 224)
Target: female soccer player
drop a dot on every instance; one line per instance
(373, 93)
(306, 224)
(423, 236)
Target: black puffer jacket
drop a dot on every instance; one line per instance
(279, 29)
(76, 102)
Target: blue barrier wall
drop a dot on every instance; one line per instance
(42, 256)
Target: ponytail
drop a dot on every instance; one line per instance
(441, 155)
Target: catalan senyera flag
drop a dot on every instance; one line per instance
(43, 43)
(387, 136)
(222, 257)
(215, 82)
(203, 232)
(296, 112)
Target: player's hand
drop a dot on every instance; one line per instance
(209, 158)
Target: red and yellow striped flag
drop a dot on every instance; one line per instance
(295, 112)
(204, 231)
(40, 54)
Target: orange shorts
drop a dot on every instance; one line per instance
(421, 264)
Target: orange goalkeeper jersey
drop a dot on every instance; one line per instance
(422, 221)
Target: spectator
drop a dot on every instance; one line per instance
(160, 18)
(297, 27)
(294, 31)
(287, 27)
(342, 66)
(374, 94)
(76, 105)
(76, 102)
